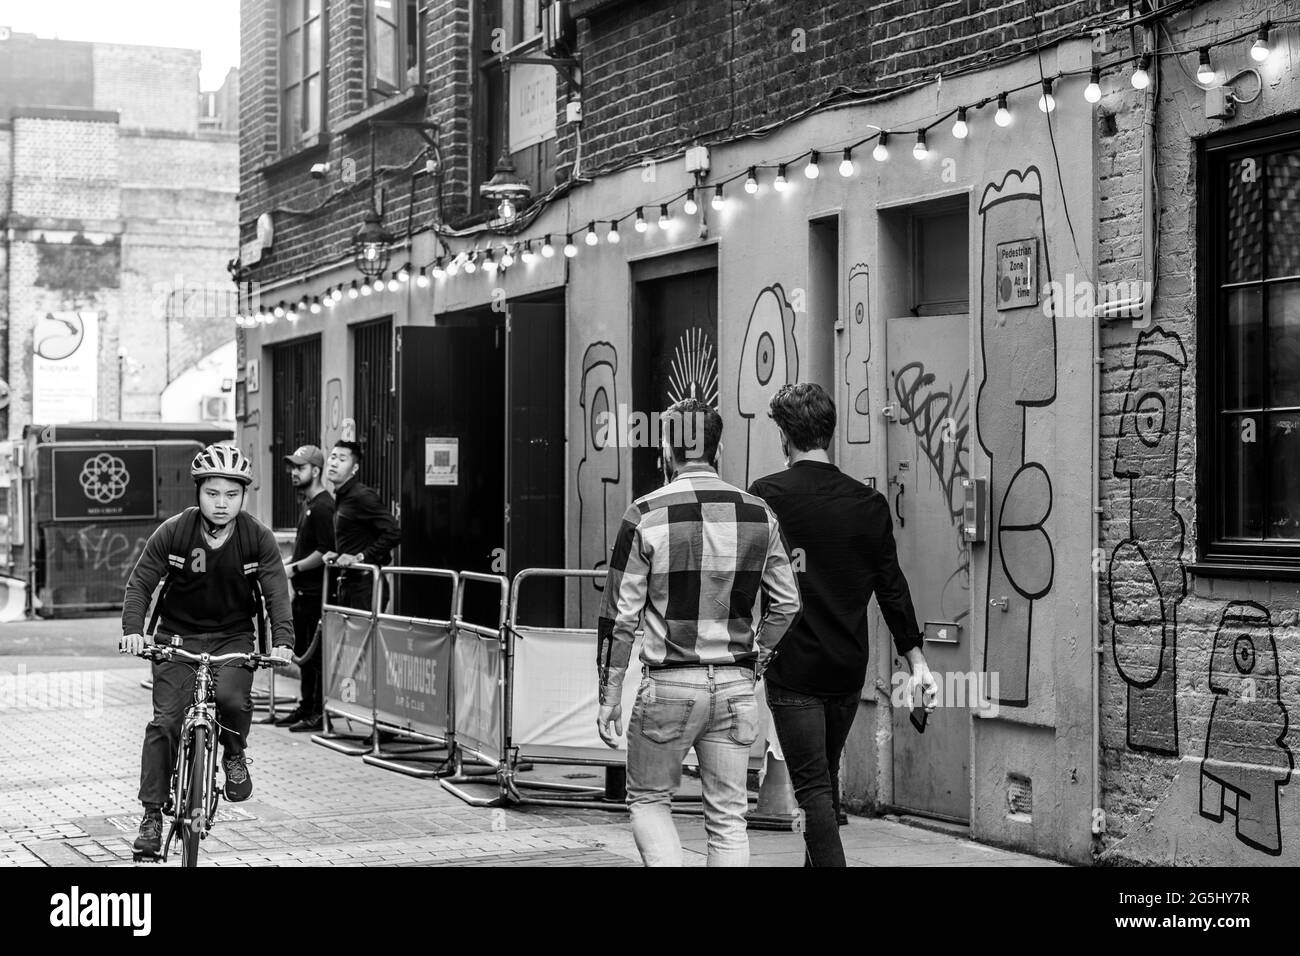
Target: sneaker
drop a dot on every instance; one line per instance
(239, 785)
(308, 725)
(150, 839)
(292, 717)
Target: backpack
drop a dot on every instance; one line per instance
(186, 532)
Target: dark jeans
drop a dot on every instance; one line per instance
(356, 590)
(306, 615)
(173, 691)
(812, 731)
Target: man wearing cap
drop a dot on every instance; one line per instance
(314, 540)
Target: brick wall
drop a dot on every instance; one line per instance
(151, 87)
(65, 167)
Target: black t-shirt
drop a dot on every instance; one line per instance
(209, 593)
(841, 540)
(315, 533)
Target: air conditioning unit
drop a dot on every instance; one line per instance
(559, 29)
(214, 408)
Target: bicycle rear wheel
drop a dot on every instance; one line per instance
(195, 810)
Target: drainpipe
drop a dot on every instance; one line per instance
(1142, 305)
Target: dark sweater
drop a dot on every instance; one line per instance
(843, 532)
(315, 533)
(362, 525)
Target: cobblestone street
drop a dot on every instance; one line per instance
(71, 719)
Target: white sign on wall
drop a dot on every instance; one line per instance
(65, 368)
(532, 105)
(1017, 275)
(442, 461)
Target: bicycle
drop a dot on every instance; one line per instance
(192, 805)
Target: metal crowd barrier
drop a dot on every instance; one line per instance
(478, 696)
(348, 665)
(413, 668)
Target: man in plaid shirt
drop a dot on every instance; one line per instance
(698, 558)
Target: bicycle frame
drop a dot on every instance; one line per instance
(202, 712)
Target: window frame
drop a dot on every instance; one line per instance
(377, 90)
(288, 142)
(1217, 555)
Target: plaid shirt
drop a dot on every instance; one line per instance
(695, 556)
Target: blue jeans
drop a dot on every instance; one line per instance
(712, 709)
(813, 731)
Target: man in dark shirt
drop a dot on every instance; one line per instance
(306, 569)
(842, 545)
(365, 531)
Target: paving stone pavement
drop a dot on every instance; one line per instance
(70, 732)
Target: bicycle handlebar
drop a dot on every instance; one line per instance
(164, 652)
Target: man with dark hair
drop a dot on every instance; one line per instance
(365, 531)
(842, 531)
(698, 558)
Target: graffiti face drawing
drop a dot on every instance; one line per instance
(598, 469)
(1018, 344)
(769, 359)
(856, 401)
(1146, 577)
(1246, 756)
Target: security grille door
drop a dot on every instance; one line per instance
(376, 405)
(295, 418)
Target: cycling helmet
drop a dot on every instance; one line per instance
(222, 461)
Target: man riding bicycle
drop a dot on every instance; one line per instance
(218, 562)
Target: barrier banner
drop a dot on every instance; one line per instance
(346, 649)
(413, 675)
(478, 678)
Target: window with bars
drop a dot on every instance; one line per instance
(1249, 402)
(295, 419)
(302, 70)
(375, 406)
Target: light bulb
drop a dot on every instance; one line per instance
(329, 299)
(507, 258)
(780, 182)
(337, 293)
(528, 255)
(269, 318)
(1141, 79)
(422, 280)
(959, 128)
(920, 150)
(279, 311)
(1259, 50)
(640, 220)
(1003, 116)
(690, 207)
(665, 220)
(548, 250)
(439, 270)
(1204, 69)
(506, 209)
(404, 274)
(353, 291)
(570, 249)
(365, 287)
(1046, 102)
(751, 181)
(454, 265)
(1092, 92)
(612, 236)
(489, 263)
(592, 238)
(846, 164)
(717, 200)
(812, 170)
(393, 283)
(471, 263)
(315, 305)
(881, 152)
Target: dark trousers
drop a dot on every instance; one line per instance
(306, 615)
(173, 692)
(812, 731)
(356, 590)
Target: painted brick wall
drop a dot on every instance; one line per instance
(1154, 739)
(152, 87)
(65, 167)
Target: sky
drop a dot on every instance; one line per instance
(210, 26)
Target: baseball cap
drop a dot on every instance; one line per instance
(307, 455)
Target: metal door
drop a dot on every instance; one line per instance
(928, 417)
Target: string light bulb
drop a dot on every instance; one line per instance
(315, 305)
(717, 200)
(454, 265)
(353, 291)
(690, 207)
(548, 250)
(393, 283)
(279, 310)
(959, 128)
(404, 274)
(1204, 68)
(489, 262)
(337, 294)
(846, 164)
(612, 237)
(439, 270)
(665, 220)
(1003, 116)
(1141, 79)
(329, 299)
(528, 255)
(471, 263)
(1260, 49)
(1046, 102)
(812, 170)
(570, 249)
(640, 220)
(592, 238)
(1092, 92)
(780, 182)
(751, 181)
(422, 280)
(507, 257)
(920, 150)
(365, 287)
(881, 152)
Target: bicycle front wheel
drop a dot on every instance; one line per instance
(195, 798)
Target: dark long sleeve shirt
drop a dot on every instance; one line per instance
(842, 546)
(362, 524)
(315, 533)
(208, 592)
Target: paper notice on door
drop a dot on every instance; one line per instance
(442, 461)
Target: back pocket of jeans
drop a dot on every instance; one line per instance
(744, 719)
(663, 719)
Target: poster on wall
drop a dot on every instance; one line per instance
(442, 461)
(104, 483)
(1017, 274)
(65, 368)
